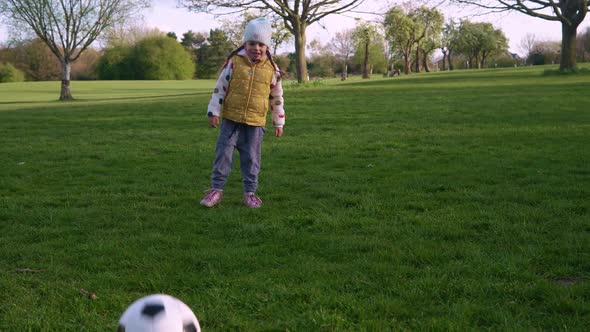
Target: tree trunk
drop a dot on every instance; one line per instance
(567, 61)
(450, 61)
(345, 72)
(417, 59)
(425, 62)
(406, 64)
(444, 61)
(366, 63)
(301, 61)
(66, 68)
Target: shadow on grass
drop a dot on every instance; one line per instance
(572, 72)
(151, 97)
(80, 100)
(463, 77)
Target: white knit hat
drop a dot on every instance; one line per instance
(258, 30)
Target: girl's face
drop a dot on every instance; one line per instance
(255, 50)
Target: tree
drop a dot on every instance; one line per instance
(297, 15)
(364, 36)
(583, 45)
(234, 30)
(68, 27)
(494, 42)
(450, 36)
(212, 54)
(128, 35)
(570, 13)
(322, 62)
(469, 42)
(428, 46)
(406, 29)
(427, 23)
(85, 67)
(527, 44)
(343, 45)
(401, 33)
(280, 34)
(193, 40)
(34, 58)
(544, 52)
(478, 41)
(587, 40)
(377, 60)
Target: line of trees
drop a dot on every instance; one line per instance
(297, 16)
(570, 13)
(402, 42)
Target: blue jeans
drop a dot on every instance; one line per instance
(248, 141)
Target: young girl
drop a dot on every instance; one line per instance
(248, 83)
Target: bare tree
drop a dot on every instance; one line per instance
(343, 45)
(127, 35)
(527, 44)
(569, 12)
(583, 45)
(68, 27)
(297, 15)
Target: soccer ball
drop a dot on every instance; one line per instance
(158, 313)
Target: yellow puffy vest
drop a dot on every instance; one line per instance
(248, 92)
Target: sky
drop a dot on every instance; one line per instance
(166, 16)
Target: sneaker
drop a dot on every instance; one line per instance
(252, 201)
(212, 198)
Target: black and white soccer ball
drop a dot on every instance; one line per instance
(158, 313)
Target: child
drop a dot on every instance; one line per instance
(248, 83)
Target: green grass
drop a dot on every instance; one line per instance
(443, 201)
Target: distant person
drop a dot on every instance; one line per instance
(248, 83)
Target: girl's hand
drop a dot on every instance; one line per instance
(278, 132)
(213, 121)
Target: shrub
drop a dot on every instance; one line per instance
(116, 64)
(282, 61)
(162, 58)
(152, 58)
(9, 73)
(501, 61)
(34, 59)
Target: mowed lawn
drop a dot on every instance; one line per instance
(442, 201)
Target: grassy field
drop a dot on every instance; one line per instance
(443, 201)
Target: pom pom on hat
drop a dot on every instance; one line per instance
(258, 30)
